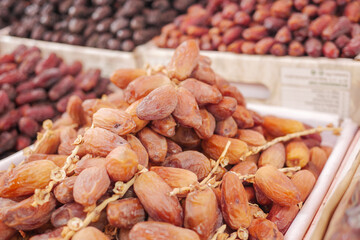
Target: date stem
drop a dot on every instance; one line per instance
(288, 137)
(41, 196)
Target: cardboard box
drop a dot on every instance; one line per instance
(314, 84)
(339, 143)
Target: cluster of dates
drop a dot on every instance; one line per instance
(11, 10)
(283, 27)
(33, 89)
(110, 24)
(160, 133)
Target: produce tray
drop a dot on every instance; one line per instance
(108, 61)
(314, 84)
(340, 144)
(336, 191)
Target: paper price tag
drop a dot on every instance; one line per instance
(322, 90)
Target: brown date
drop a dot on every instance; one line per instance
(263, 46)
(207, 128)
(125, 213)
(63, 214)
(280, 126)
(122, 77)
(187, 111)
(65, 85)
(234, 202)
(273, 24)
(64, 191)
(318, 157)
(9, 119)
(176, 177)
(139, 149)
(140, 124)
(100, 142)
(352, 48)
(352, 11)
(51, 61)
(243, 117)
(193, 161)
(278, 49)
(296, 49)
(165, 126)
(203, 72)
(172, 147)
(114, 120)
(12, 77)
(304, 181)
(24, 216)
(297, 154)
(24, 179)
(337, 27)
(226, 128)
(75, 110)
(202, 92)
(153, 193)
(158, 104)
(87, 162)
(224, 109)
(48, 235)
(216, 144)
(186, 137)
(154, 143)
(184, 60)
(245, 168)
(90, 233)
(281, 9)
(142, 86)
(201, 212)
(327, 7)
(121, 163)
(161, 231)
(90, 185)
(317, 26)
(254, 33)
(274, 155)
(251, 137)
(263, 229)
(30, 96)
(330, 50)
(298, 21)
(310, 10)
(277, 186)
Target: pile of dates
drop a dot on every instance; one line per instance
(284, 27)
(11, 10)
(110, 24)
(163, 132)
(35, 88)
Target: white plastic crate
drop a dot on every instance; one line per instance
(340, 145)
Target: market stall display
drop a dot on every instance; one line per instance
(174, 137)
(295, 28)
(110, 24)
(34, 88)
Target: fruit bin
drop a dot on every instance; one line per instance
(345, 217)
(336, 191)
(339, 143)
(314, 84)
(108, 61)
